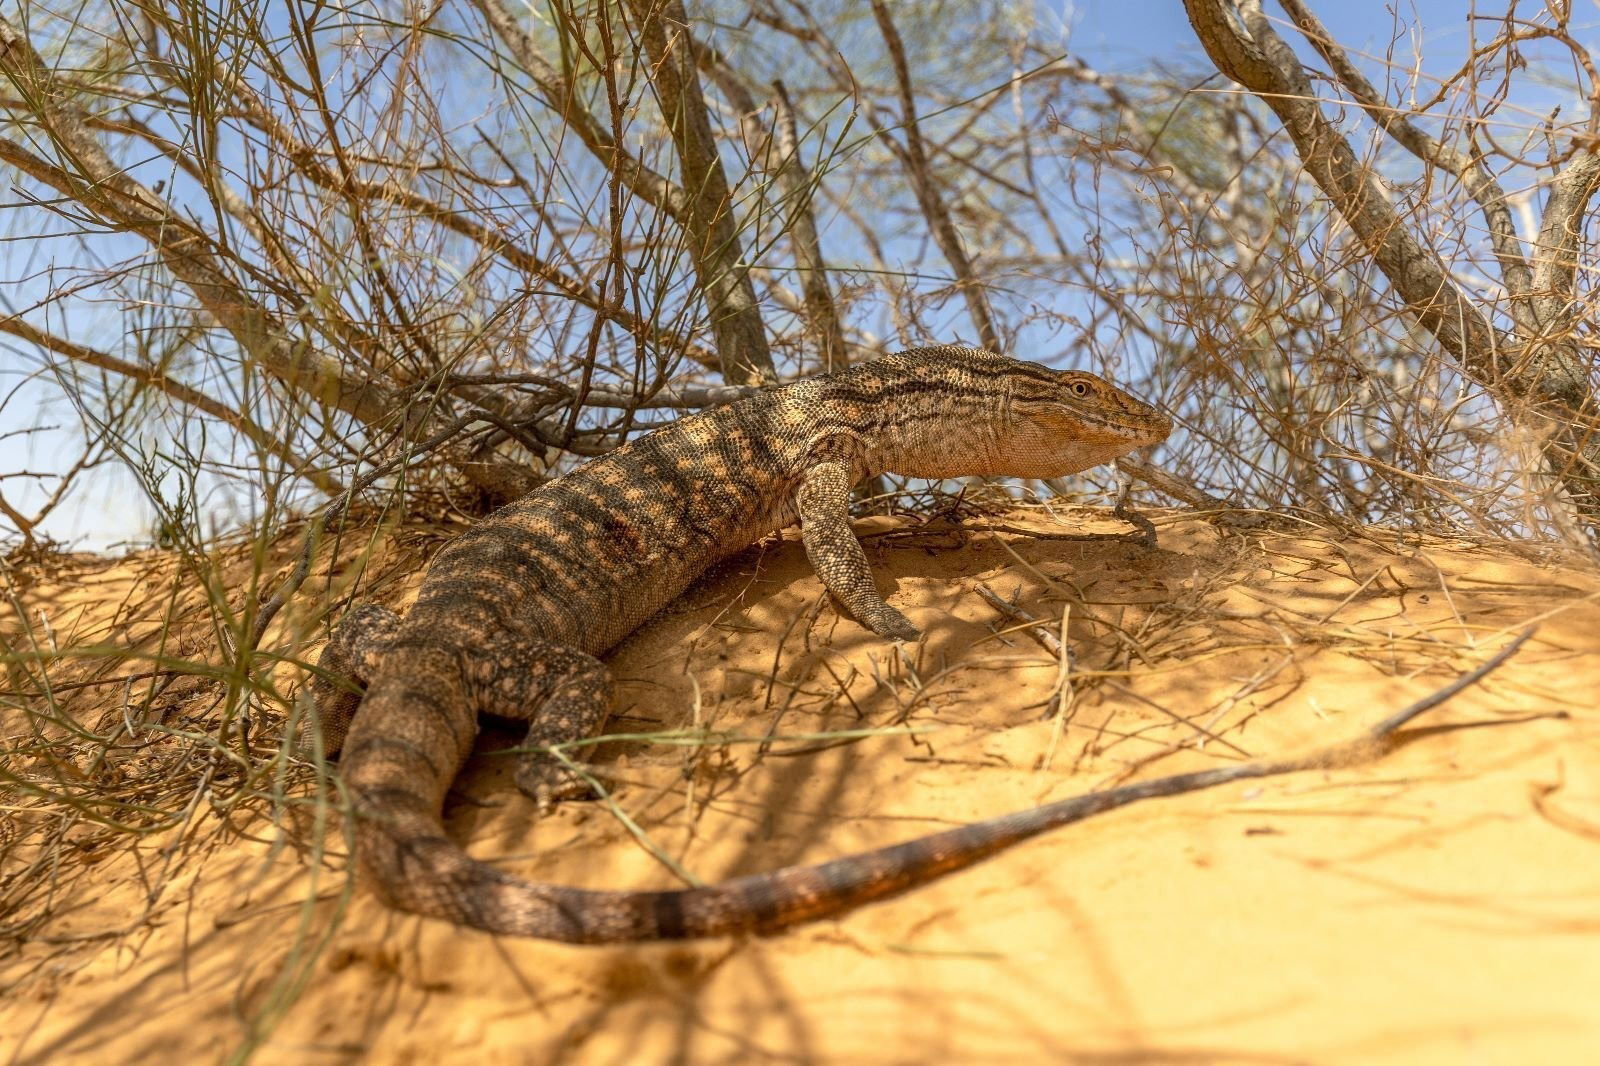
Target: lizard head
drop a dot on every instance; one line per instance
(1006, 417)
(1069, 421)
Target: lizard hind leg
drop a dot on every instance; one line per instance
(562, 694)
(348, 661)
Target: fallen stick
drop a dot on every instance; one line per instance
(889, 871)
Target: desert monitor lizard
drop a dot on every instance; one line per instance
(513, 613)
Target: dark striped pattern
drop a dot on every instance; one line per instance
(512, 613)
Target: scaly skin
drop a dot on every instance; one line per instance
(513, 613)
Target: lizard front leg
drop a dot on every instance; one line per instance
(823, 502)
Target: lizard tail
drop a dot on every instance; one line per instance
(402, 847)
(416, 867)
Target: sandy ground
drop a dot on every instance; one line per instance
(1440, 904)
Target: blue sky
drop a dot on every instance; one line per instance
(1127, 34)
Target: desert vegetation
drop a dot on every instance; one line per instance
(305, 288)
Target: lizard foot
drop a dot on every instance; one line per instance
(548, 782)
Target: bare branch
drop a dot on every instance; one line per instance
(1555, 272)
(821, 315)
(121, 201)
(495, 241)
(18, 519)
(655, 188)
(709, 221)
(1480, 184)
(1545, 371)
(1264, 64)
(928, 197)
(156, 379)
(822, 318)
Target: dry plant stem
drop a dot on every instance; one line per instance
(123, 203)
(1142, 537)
(1541, 371)
(682, 398)
(1175, 487)
(155, 379)
(822, 317)
(191, 255)
(928, 196)
(1064, 697)
(1480, 183)
(713, 239)
(487, 234)
(1035, 626)
(24, 525)
(558, 90)
(492, 239)
(486, 243)
(1146, 528)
